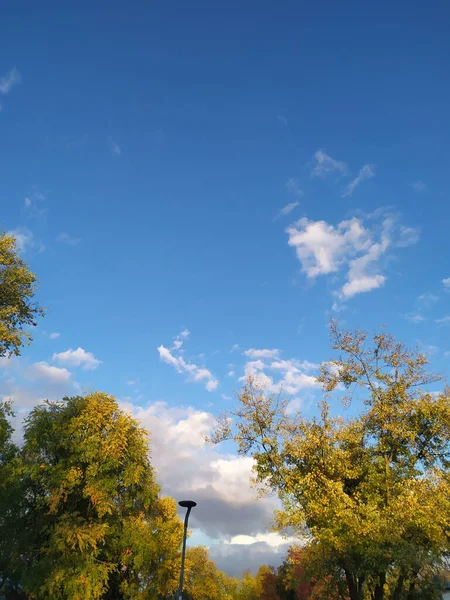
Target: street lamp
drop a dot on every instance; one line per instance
(189, 504)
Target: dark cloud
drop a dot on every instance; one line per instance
(235, 559)
(218, 517)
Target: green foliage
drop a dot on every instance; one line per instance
(373, 491)
(17, 288)
(88, 521)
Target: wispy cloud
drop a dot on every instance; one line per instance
(444, 321)
(366, 172)
(407, 236)
(114, 147)
(9, 80)
(256, 353)
(446, 283)
(54, 336)
(282, 119)
(427, 300)
(286, 210)
(24, 238)
(418, 186)
(324, 164)
(352, 246)
(67, 238)
(293, 187)
(414, 318)
(77, 358)
(34, 205)
(42, 370)
(194, 372)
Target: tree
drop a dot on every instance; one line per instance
(203, 581)
(18, 285)
(88, 521)
(269, 584)
(8, 496)
(248, 587)
(371, 491)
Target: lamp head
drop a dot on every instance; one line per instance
(187, 503)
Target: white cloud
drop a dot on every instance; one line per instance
(325, 164)
(114, 147)
(444, 320)
(273, 539)
(27, 202)
(366, 172)
(293, 187)
(231, 373)
(235, 347)
(418, 186)
(446, 282)
(323, 249)
(181, 337)
(43, 370)
(262, 353)
(54, 336)
(359, 280)
(414, 318)
(194, 372)
(24, 238)
(292, 375)
(9, 80)
(77, 358)
(286, 210)
(67, 238)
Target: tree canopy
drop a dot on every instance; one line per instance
(371, 491)
(18, 311)
(88, 521)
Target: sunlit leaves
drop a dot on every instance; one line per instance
(18, 285)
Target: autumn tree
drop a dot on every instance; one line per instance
(203, 581)
(371, 491)
(248, 588)
(18, 311)
(88, 521)
(269, 584)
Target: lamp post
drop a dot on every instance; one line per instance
(189, 504)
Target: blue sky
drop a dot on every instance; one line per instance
(235, 171)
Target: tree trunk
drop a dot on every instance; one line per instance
(410, 595)
(352, 587)
(399, 587)
(379, 588)
(355, 586)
